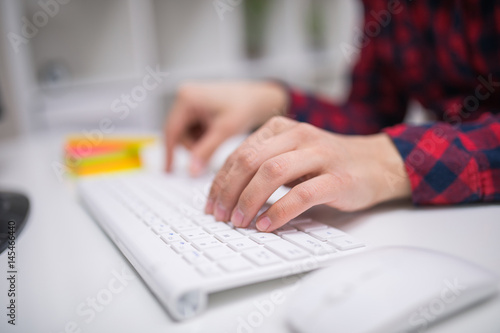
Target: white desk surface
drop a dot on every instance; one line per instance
(64, 259)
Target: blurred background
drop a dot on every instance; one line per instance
(65, 65)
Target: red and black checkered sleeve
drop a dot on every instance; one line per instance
(375, 100)
(451, 164)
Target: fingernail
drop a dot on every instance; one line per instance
(237, 218)
(209, 207)
(264, 223)
(197, 167)
(220, 212)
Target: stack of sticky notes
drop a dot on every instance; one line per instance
(83, 156)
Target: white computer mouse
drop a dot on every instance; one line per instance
(393, 289)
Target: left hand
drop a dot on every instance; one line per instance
(345, 172)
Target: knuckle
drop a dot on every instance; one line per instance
(304, 130)
(246, 159)
(277, 122)
(274, 168)
(305, 193)
(280, 212)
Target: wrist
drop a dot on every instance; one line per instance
(393, 179)
(277, 98)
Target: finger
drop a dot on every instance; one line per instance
(272, 174)
(316, 191)
(227, 186)
(247, 163)
(175, 128)
(186, 141)
(203, 149)
(242, 165)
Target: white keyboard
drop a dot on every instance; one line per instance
(157, 221)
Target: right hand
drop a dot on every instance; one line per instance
(206, 114)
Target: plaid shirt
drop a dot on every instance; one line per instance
(445, 55)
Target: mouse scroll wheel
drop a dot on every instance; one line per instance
(338, 291)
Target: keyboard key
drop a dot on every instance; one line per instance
(172, 219)
(171, 237)
(325, 234)
(182, 246)
(215, 227)
(234, 264)
(203, 243)
(194, 257)
(184, 227)
(209, 270)
(310, 226)
(227, 235)
(179, 220)
(299, 220)
(262, 237)
(261, 256)
(286, 250)
(188, 211)
(204, 219)
(346, 243)
(284, 229)
(219, 252)
(242, 244)
(309, 243)
(192, 234)
(247, 231)
(161, 229)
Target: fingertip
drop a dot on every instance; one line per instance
(264, 224)
(197, 166)
(209, 207)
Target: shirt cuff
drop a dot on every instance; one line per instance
(441, 170)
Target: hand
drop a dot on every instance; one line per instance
(346, 172)
(206, 114)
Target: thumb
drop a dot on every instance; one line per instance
(204, 148)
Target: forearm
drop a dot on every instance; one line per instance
(451, 165)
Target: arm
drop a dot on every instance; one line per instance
(451, 165)
(375, 100)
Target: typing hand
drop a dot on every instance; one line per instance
(345, 172)
(206, 114)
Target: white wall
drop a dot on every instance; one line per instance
(103, 47)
